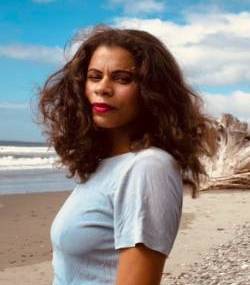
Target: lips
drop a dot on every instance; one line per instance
(102, 107)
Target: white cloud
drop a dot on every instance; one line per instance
(42, 54)
(132, 7)
(213, 49)
(237, 103)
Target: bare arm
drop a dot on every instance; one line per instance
(139, 265)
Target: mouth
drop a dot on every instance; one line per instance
(102, 108)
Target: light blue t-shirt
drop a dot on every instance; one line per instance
(131, 198)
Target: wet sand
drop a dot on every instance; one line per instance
(25, 249)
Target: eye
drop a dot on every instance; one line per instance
(94, 77)
(123, 79)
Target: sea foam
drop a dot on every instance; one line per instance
(27, 157)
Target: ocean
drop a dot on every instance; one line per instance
(30, 167)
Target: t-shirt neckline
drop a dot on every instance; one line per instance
(114, 157)
(117, 156)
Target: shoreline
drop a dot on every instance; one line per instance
(25, 249)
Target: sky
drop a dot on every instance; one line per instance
(209, 39)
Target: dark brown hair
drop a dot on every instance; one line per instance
(172, 118)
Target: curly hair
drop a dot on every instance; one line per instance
(172, 118)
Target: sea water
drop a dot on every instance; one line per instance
(30, 168)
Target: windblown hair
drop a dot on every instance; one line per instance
(172, 117)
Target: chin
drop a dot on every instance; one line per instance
(111, 126)
(113, 123)
(105, 125)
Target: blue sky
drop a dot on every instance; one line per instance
(211, 42)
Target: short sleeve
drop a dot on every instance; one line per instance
(148, 204)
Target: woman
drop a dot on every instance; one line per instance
(123, 121)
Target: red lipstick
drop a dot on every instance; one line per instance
(102, 107)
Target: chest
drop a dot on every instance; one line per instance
(84, 223)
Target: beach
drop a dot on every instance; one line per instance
(25, 249)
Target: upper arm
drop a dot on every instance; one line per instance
(139, 265)
(147, 212)
(148, 205)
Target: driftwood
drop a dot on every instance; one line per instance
(229, 168)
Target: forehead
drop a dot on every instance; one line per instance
(113, 57)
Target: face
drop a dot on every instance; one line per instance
(111, 80)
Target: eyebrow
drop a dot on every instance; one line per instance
(115, 71)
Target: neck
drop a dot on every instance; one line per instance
(120, 142)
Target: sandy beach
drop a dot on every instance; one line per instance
(25, 249)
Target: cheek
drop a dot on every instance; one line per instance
(130, 103)
(134, 102)
(129, 95)
(88, 90)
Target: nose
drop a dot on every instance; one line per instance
(104, 87)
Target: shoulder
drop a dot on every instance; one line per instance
(155, 152)
(152, 165)
(155, 158)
